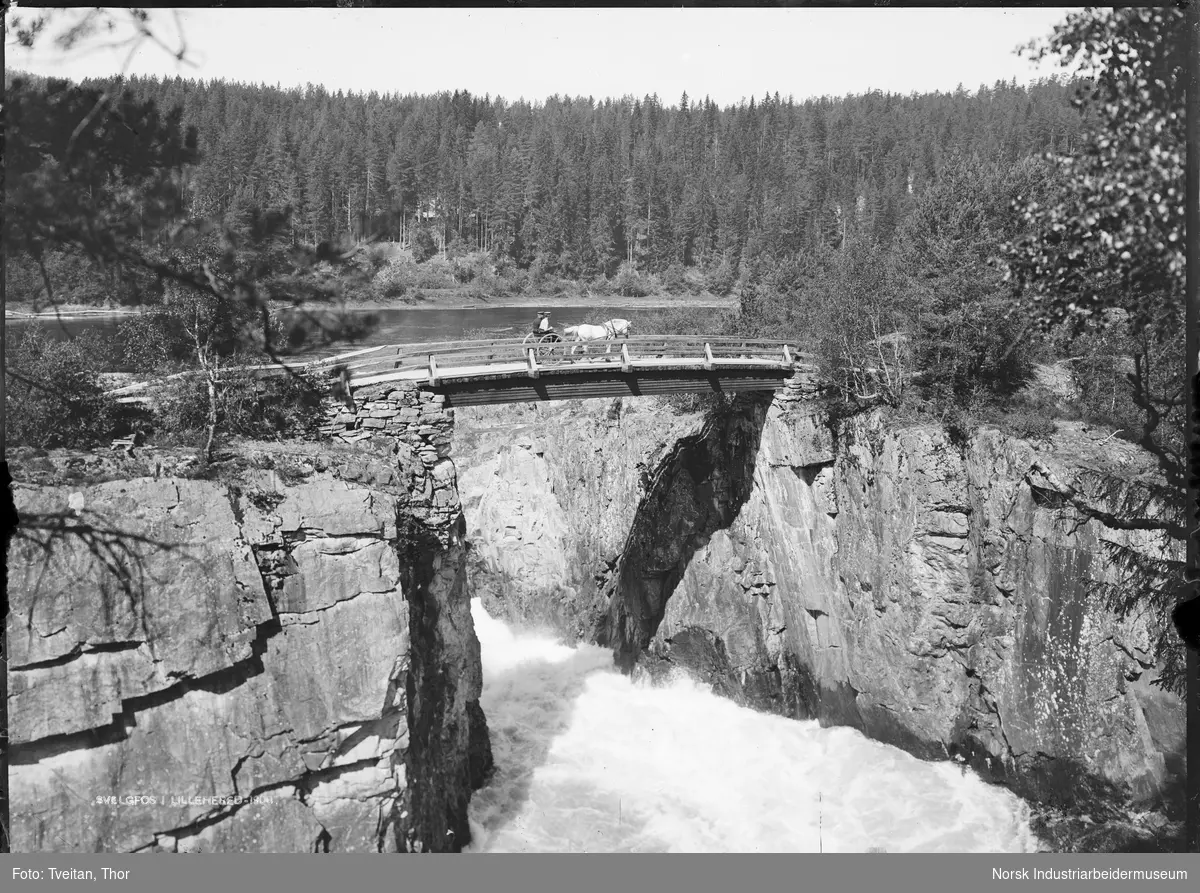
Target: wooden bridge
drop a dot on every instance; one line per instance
(470, 373)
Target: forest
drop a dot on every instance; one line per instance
(902, 240)
(577, 186)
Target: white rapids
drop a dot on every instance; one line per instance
(589, 761)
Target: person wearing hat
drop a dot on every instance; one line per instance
(543, 323)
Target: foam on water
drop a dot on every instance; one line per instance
(587, 760)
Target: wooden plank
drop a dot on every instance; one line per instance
(470, 358)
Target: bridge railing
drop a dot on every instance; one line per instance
(436, 358)
(449, 355)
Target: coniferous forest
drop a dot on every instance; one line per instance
(837, 223)
(578, 185)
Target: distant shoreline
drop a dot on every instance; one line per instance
(430, 302)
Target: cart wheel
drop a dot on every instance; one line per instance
(553, 350)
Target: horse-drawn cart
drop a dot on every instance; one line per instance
(549, 349)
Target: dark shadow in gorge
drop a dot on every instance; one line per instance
(696, 490)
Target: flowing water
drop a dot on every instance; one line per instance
(398, 325)
(588, 760)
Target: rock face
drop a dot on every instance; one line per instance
(951, 599)
(250, 662)
(550, 492)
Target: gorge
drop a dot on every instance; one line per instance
(296, 625)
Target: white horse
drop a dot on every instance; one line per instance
(617, 328)
(583, 333)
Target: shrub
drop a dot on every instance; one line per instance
(720, 280)
(394, 288)
(599, 285)
(456, 249)
(53, 395)
(632, 284)
(435, 273)
(683, 321)
(275, 408)
(485, 286)
(462, 271)
(152, 342)
(695, 402)
(675, 280)
(693, 280)
(376, 258)
(393, 280)
(423, 245)
(1027, 425)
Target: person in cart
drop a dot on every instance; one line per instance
(543, 327)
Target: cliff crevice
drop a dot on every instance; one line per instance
(966, 600)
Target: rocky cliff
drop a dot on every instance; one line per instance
(950, 598)
(275, 654)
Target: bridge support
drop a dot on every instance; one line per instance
(449, 752)
(421, 425)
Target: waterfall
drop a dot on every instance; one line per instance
(588, 760)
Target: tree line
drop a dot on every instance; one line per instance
(578, 185)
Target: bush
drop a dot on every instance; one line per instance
(393, 280)
(152, 342)
(485, 286)
(675, 280)
(971, 346)
(423, 245)
(1027, 425)
(394, 288)
(274, 408)
(53, 395)
(720, 280)
(435, 273)
(600, 285)
(697, 402)
(683, 321)
(457, 248)
(632, 284)
(376, 258)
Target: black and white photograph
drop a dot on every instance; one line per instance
(600, 430)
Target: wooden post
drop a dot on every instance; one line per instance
(533, 366)
(708, 357)
(432, 371)
(626, 362)
(787, 355)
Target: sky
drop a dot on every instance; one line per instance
(726, 54)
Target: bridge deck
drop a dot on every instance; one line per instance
(513, 370)
(488, 371)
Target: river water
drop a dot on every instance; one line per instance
(590, 761)
(403, 325)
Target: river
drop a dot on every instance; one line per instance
(589, 761)
(404, 325)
